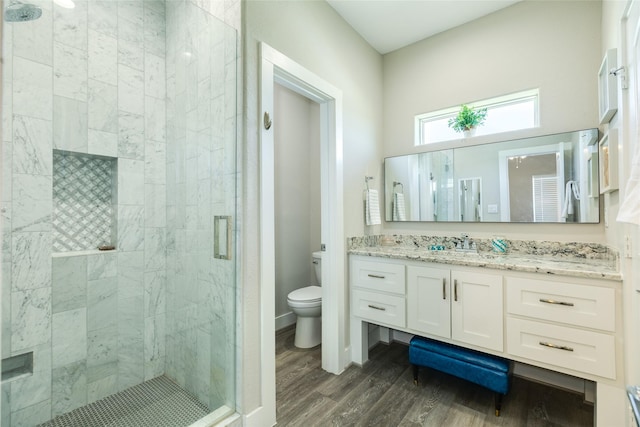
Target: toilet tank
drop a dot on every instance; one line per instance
(317, 265)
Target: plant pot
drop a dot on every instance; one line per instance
(468, 133)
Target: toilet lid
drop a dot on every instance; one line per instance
(309, 293)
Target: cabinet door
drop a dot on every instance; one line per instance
(428, 300)
(476, 309)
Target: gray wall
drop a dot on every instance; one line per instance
(553, 46)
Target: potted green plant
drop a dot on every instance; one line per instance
(467, 120)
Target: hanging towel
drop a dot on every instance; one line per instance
(571, 189)
(371, 208)
(399, 213)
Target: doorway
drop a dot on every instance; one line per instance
(297, 196)
(518, 206)
(277, 68)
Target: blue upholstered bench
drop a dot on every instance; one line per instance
(483, 369)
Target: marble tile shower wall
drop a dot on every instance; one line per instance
(201, 165)
(89, 80)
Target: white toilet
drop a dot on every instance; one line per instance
(306, 303)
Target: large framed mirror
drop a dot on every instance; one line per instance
(544, 179)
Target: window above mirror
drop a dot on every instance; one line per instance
(511, 112)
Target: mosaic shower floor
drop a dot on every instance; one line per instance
(156, 403)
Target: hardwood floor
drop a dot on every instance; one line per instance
(383, 394)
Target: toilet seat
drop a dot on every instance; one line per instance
(308, 294)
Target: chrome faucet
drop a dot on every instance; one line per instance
(465, 244)
(465, 241)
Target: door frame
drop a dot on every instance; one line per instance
(275, 67)
(503, 169)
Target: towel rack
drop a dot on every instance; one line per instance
(366, 181)
(395, 184)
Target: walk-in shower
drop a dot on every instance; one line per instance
(118, 154)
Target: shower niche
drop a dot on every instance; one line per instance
(84, 202)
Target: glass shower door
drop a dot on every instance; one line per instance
(201, 199)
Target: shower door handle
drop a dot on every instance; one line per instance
(222, 237)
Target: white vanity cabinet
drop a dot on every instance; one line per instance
(461, 305)
(564, 324)
(378, 291)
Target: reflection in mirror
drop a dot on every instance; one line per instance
(420, 187)
(470, 204)
(549, 178)
(533, 182)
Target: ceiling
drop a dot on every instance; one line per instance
(388, 25)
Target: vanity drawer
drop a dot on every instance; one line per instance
(378, 308)
(570, 303)
(579, 350)
(378, 276)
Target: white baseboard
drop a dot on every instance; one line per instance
(260, 417)
(285, 320)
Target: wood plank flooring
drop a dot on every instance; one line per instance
(382, 394)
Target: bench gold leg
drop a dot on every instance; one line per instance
(498, 402)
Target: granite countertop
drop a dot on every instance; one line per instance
(573, 266)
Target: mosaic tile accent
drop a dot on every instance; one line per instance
(158, 402)
(83, 201)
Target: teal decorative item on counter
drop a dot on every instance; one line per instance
(499, 245)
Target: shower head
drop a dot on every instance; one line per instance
(21, 12)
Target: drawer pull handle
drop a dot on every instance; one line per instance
(375, 276)
(551, 301)
(444, 288)
(559, 347)
(455, 290)
(375, 307)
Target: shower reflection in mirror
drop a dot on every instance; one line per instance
(436, 182)
(470, 199)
